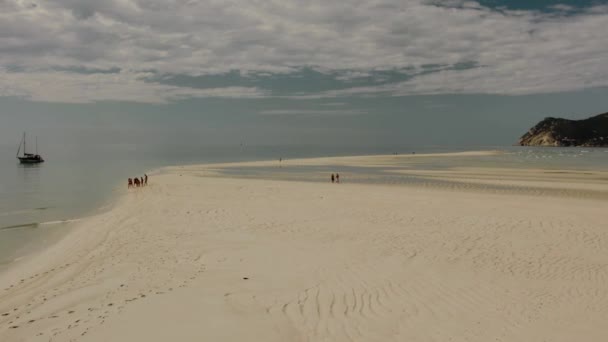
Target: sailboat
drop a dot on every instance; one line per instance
(28, 158)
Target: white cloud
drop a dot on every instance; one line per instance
(519, 52)
(351, 75)
(562, 8)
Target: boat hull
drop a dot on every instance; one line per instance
(31, 161)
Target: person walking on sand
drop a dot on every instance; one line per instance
(136, 182)
(141, 181)
(332, 178)
(145, 179)
(337, 177)
(130, 184)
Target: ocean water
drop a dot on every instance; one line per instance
(85, 170)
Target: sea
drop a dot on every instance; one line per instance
(40, 203)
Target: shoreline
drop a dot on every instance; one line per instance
(32, 248)
(39, 243)
(289, 260)
(209, 170)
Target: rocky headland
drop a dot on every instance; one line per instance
(591, 132)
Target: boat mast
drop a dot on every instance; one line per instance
(20, 143)
(36, 145)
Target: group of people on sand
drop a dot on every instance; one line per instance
(137, 182)
(335, 178)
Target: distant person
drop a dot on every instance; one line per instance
(332, 178)
(136, 182)
(141, 180)
(337, 178)
(130, 184)
(145, 179)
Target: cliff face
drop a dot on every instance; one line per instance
(562, 132)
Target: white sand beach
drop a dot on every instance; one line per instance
(192, 257)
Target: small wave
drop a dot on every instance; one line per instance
(21, 226)
(37, 224)
(59, 222)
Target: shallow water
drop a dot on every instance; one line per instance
(551, 162)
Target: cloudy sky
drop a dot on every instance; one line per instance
(370, 65)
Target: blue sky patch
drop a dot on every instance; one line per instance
(539, 5)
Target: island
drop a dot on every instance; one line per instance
(591, 132)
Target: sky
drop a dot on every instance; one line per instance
(303, 71)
